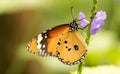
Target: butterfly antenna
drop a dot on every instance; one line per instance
(72, 12)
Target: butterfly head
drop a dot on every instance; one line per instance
(73, 26)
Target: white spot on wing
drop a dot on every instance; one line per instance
(45, 54)
(82, 57)
(40, 50)
(42, 53)
(39, 40)
(43, 46)
(39, 46)
(44, 31)
(29, 44)
(40, 37)
(45, 36)
(27, 47)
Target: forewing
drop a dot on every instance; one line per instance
(46, 42)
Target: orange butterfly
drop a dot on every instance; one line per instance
(63, 41)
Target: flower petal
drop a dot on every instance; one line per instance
(83, 21)
(101, 15)
(81, 16)
(96, 26)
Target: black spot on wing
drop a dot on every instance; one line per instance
(65, 41)
(69, 49)
(76, 47)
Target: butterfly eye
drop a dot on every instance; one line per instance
(76, 47)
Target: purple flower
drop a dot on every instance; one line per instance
(96, 26)
(83, 21)
(98, 22)
(101, 15)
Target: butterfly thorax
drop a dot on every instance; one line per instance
(73, 26)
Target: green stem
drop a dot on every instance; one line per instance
(93, 11)
(88, 34)
(80, 67)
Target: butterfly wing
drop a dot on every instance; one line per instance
(45, 43)
(68, 46)
(72, 49)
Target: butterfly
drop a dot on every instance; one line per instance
(63, 41)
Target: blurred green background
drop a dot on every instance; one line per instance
(20, 20)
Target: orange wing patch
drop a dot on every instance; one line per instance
(32, 46)
(52, 43)
(46, 42)
(72, 49)
(58, 30)
(54, 35)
